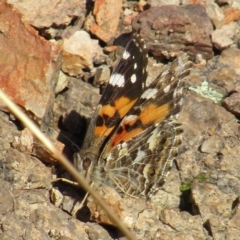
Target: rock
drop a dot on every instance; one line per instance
(24, 142)
(25, 176)
(221, 12)
(101, 76)
(43, 14)
(104, 19)
(200, 60)
(188, 31)
(224, 78)
(233, 229)
(24, 192)
(213, 172)
(224, 2)
(215, 13)
(62, 33)
(29, 64)
(230, 57)
(178, 225)
(199, 199)
(62, 83)
(110, 49)
(156, 3)
(137, 214)
(78, 53)
(211, 145)
(129, 15)
(80, 98)
(214, 205)
(223, 37)
(232, 104)
(228, 155)
(27, 143)
(95, 231)
(232, 13)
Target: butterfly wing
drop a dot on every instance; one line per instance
(124, 88)
(140, 152)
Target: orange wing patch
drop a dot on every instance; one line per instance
(102, 131)
(128, 135)
(120, 107)
(150, 114)
(154, 114)
(123, 105)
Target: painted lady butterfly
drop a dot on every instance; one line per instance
(133, 136)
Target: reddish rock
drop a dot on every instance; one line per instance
(231, 14)
(189, 30)
(200, 2)
(29, 64)
(109, 49)
(105, 19)
(232, 104)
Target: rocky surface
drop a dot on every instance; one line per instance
(189, 30)
(29, 64)
(103, 21)
(45, 14)
(54, 65)
(79, 51)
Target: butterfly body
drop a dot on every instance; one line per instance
(133, 136)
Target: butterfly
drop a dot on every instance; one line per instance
(133, 136)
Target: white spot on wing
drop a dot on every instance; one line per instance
(133, 78)
(124, 149)
(124, 145)
(122, 152)
(140, 156)
(149, 93)
(117, 80)
(135, 66)
(153, 140)
(146, 170)
(129, 118)
(166, 175)
(126, 55)
(166, 89)
(109, 157)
